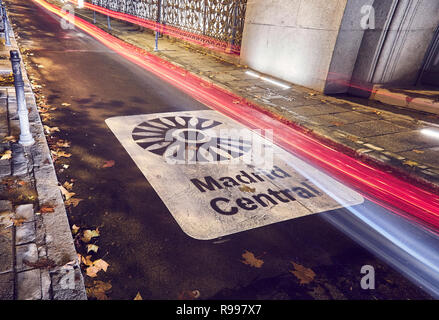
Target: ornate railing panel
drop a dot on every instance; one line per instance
(219, 19)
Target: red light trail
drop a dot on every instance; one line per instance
(378, 186)
(201, 40)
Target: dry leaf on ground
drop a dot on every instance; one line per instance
(73, 201)
(98, 265)
(98, 290)
(87, 235)
(65, 193)
(50, 130)
(68, 186)
(410, 163)
(109, 164)
(251, 260)
(9, 138)
(92, 247)
(138, 296)
(6, 155)
(75, 229)
(18, 221)
(47, 209)
(305, 275)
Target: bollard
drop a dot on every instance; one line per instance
(108, 23)
(23, 114)
(94, 17)
(6, 26)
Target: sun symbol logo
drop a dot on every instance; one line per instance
(188, 139)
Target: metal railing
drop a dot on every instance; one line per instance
(222, 20)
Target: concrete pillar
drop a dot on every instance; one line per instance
(394, 53)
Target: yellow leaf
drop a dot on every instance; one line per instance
(410, 163)
(75, 229)
(97, 266)
(68, 186)
(251, 260)
(92, 247)
(99, 290)
(247, 189)
(65, 193)
(138, 296)
(10, 138)
(6, 155)
(88, 234)
(73, 201)
(305, 275)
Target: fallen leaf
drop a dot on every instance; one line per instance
(65, 104)
(410, 163)
(50, 130)
(6, 155)
(9, 138)
(92, 247)
(97, 266)
(18, 221)
(138, 296)
(98, 290)
(73, 201)
(109, 164)
(189, 295)
(68, 186)
(60, 153)
(47, 209)
(251, 260)
(75, 229)
(418, 151)
(87, 235)
(305, 275)
(63, 144)
(65, 193)
(86, 260)
(247, 189)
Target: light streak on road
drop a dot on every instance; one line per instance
(385, 189)
(433, 133)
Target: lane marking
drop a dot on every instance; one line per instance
(211, 199)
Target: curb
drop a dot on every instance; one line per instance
(63, 281)
(386, 96)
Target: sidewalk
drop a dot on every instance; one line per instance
(37, 257)
(387, 136)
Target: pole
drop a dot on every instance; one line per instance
(108, 23)
(94, 17)
(23, 114)
(159, 8)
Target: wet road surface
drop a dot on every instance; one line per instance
(145, 247)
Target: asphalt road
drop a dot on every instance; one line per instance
(145, 247)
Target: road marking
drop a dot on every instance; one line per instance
(213, 199)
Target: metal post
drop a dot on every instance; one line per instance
(6, 26)
(94, 17)
(23, 116)
(159, 8)
(108, 23)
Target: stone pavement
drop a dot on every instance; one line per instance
(38, 260)
(387, 136)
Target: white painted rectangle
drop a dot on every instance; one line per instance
(268, 196)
